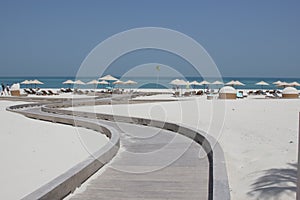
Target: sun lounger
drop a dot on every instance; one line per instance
(239, 95)
(269, 95)
(187, 94)
(176, 94)
(200, 92)
(50, 92)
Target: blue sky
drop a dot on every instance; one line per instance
(244, 38)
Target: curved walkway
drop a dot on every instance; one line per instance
(186, 177)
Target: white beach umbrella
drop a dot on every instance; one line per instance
(194, 83)
(235, 83)
(232, 83)
(277, 82)
(130, 82)
(217, 83)
(108, 78)
(26, 82)
(68, 82)
(238, 83)
(118, 82)
(262, 84)
(295, 84)
(79, 82)
(204, 82)
(103, 83)
(92, 82)
(182, 82)
(178, 82)
(174, 82)
(36, 82)
(283, 84)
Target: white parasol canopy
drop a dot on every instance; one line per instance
(262, 83)
(277, 82)
(217, 83)
(294, 84)
(36, 82)
(93, 82)
(178, 82)
(26, 82)
(108, 78)
(79, 82)
(119, 82)
(194, 83)
(204, 82)
(103, 83)
(130, 82)
(68, 82)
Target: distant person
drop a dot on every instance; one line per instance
(7, 89)
(1, 91)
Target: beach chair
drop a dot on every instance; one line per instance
(269, 95)
(27, 91)
(200, 92)
(239, 95)
(50, 92)
(176, 94)
(187, 94)
(32, 91)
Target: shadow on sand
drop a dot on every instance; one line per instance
(275, 182)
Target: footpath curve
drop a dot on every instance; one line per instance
(63, 185)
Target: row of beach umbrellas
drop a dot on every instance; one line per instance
(106, 80)
(180, 82)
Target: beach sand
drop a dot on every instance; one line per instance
(258, 136)
(34, 152)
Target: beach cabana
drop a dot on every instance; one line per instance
(15, 89)
(290, 93)
(227, 92)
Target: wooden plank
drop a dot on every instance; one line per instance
(185, 178)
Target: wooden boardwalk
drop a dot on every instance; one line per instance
(134, 174)
(151, 164)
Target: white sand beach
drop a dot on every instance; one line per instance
(258, 136)
(34, 152)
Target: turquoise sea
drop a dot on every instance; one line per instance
(146, 82)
